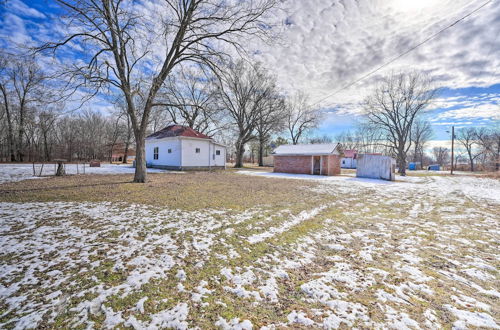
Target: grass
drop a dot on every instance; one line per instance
(192, 191)
(378, 222)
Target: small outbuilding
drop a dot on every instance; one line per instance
(376, 167)
(315, 159)
(182, 148)
(413, 166)
(433, 167)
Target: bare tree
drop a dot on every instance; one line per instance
(189, 98)
(323, 139)
(134, 50)
(421, 132)
(441, 155)
(6, 105)
(23, 87)
(349, 140)
(47, 120)
(468, 138)
(489, 142)
(270, 120)
(395, 105)
(244, 89)
(300, 116)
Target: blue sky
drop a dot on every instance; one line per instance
(461, 110)
(327, 44)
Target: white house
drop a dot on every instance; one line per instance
(349, 159)
(178, 147)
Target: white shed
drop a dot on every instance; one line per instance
(181, 148)
(376, 167)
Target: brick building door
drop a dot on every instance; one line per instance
(316, 165)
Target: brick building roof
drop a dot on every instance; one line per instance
(307, 149)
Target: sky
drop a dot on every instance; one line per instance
(326, 45)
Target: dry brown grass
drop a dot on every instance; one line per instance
(493, 175)
(194, 190)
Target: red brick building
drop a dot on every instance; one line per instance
(315, 159)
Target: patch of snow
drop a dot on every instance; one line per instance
(299, 318)
(234, 324)
(476, 319)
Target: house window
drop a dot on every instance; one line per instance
(197, 150)
(155, 153)
(217, 152)
(169, 151)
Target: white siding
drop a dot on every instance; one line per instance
(184, 153)
(189, 155)
(219, 160)
(164, 158)
(348, 163)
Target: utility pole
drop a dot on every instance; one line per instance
(452, 145)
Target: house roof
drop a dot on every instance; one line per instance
(350, 153)
(306, 149)
(177, 130)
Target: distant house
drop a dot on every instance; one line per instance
(118, 153)
(349, 159)
(315, 159)
(178, 147)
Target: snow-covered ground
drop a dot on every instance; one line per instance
(471, 187)
(418, 253)
(18, 172)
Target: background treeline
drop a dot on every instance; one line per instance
(240, 105)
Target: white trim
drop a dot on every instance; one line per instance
(320, 164)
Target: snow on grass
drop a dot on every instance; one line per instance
(293, 221)
(234, 324)
(474, 187)
(476, 319)
(18, 172)
(418, 253)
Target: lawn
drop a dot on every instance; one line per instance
(253, 249)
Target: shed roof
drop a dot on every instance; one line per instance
(177, 130)
(306, 149)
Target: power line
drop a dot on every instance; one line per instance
(403, 54)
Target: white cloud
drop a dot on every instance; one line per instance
(20, 8)
(488, 111)
(329, 44)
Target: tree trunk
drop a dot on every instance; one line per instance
(261, 152)
(240, 150)
(20, 137)
(140, 158)
(10, 131)
(402, 163)
(127, 143)
(497, 157)
(46, 147)
(471, 163)
(124, 161)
